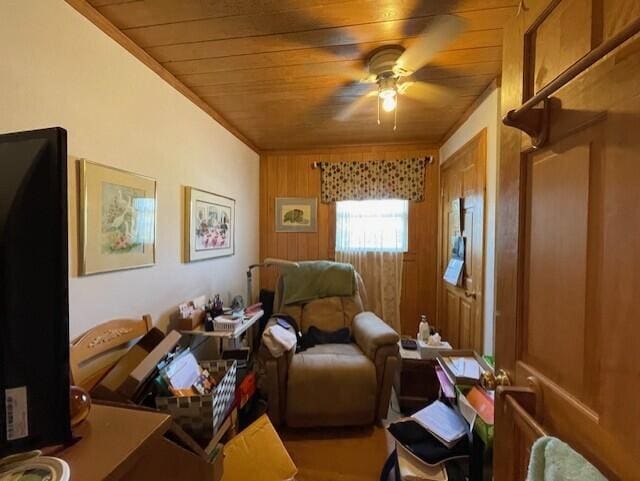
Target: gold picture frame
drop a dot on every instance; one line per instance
(209, 225)
(118, 219)
(297, 214)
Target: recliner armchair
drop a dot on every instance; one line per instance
(332, 384)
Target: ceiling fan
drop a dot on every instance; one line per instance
(390, 68)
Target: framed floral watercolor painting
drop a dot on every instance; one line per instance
(117, 219)
(209, 229)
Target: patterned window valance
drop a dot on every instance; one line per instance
(376, 179)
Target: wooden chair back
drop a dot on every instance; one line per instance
(92, 354)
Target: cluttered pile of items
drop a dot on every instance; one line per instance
(212, 316)
(449, 438)
(232, 327)
(186, 374)
(180, 375)
(176, 374)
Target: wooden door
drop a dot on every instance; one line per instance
(460, 313)
(568, 240)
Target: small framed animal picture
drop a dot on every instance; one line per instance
(209, 229)
(117, 220)
(296, 214)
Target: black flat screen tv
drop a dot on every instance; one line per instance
(34, 302)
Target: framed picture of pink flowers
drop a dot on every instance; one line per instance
(209, 225)
(117, 219)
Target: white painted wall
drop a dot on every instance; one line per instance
(58, 69)
(487, 115)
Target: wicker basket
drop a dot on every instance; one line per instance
(225, 324)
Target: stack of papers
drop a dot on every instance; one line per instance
(443, 422)
(183, 372)
(183, 376)
(462, 369)
(466, 367)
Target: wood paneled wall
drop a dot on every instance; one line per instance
(290, 174)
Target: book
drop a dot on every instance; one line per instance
(445, 384)
(441, 421)
(482, 403)
(463, 367)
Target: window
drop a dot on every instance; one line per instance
(372, 225)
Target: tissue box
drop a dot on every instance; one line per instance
(430, 352)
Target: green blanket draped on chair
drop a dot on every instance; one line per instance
(318, 279)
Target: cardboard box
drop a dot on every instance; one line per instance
(109, 385)
(191, 313)
(257, 454)
(141, 373)
(167, 461)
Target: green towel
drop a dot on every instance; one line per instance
(554, 460)
(317, 279)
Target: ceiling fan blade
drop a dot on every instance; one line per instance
(346, 113)
(427, 92)
(440, 32)
(339, 69)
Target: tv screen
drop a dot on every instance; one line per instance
(34, 306)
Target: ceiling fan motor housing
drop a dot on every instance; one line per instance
(383, 62)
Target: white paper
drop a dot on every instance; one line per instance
(183, 371)
(442, 421)
(453, 274)
(467, 410)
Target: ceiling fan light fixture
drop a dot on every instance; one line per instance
(388, 93)
(389, 103)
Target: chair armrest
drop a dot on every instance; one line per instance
(371, 333)
(379, 342)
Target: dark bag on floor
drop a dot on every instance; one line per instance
(424, 445)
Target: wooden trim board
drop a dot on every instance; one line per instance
(495, 83)
(100, 21)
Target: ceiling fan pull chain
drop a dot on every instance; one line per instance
(395, 113)
(378, 101)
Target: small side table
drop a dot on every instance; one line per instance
(222, 335)
(416, 383)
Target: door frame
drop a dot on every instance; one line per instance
(479, 137)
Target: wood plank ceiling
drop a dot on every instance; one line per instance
(278, 70)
